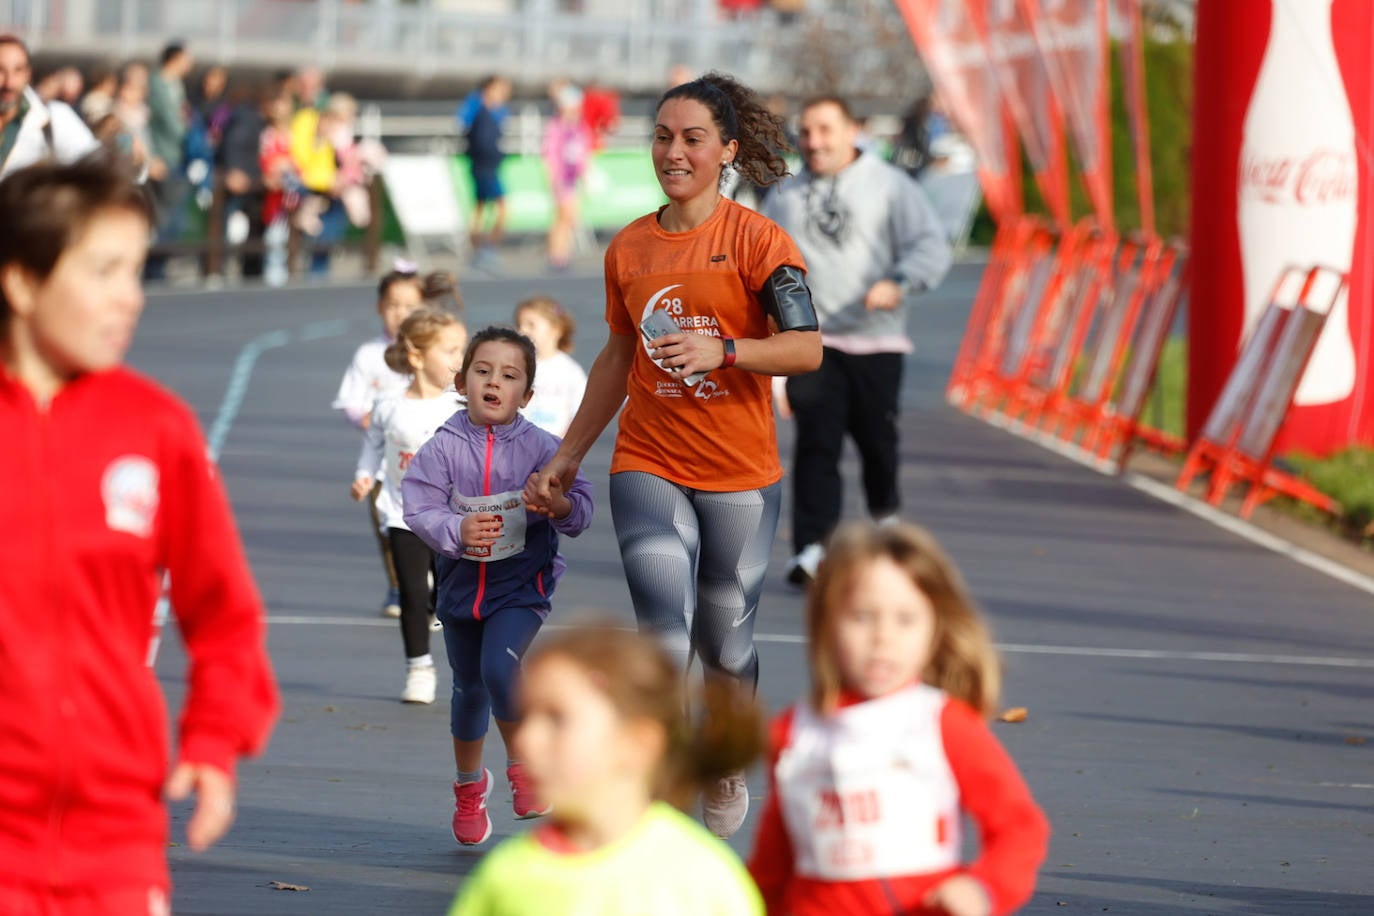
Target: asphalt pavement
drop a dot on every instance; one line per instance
(1198, 706)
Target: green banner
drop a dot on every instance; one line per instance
(619, 186)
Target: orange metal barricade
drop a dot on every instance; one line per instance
(1237, 441)
(1014, 249)
(1023, 326)
(1022, 273)
(1063, 334)
(1110, 416)
(1082, 408)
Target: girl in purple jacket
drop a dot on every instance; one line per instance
(496, 563)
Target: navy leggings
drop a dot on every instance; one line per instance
(485, 657)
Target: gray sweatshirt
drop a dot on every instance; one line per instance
(867, 223)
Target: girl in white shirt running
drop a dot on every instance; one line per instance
(561, 380)
(429, 347)
(368, 378)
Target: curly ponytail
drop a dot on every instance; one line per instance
(740, 114)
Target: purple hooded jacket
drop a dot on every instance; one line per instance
(466, 460)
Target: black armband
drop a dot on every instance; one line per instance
(787, 300)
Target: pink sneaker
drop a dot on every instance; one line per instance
(471, 825)
(523, 798)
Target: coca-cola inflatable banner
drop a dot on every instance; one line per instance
(1282, 176)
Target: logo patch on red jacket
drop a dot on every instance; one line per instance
(129, 489)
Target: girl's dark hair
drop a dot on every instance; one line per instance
(440, 291)
(502, 335)
(415, 335)
(44, 209)
(392, 277)
(962, 662)
(724, 735)
(740, 114)
(555, 314)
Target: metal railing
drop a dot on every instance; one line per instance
(637, 41)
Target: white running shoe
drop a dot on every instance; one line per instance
(434, 624)
(801, 569)
(421, 683)
(724, 808)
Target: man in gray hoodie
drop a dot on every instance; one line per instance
(871, 239)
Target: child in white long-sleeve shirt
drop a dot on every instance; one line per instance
(561, 380)
(368, 377)
(429, 346)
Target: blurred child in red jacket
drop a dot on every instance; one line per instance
(108, 488)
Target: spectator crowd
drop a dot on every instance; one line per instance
(285, 149)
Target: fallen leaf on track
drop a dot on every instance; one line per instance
(1015, 714)
(283, 886)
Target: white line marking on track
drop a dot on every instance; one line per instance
(1208, 513)
(238, 386)
(1237, 658)
(1240, 658)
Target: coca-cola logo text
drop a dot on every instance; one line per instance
(1318, 179)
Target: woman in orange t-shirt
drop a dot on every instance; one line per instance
(695, 490)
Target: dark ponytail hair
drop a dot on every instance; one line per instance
(724, 735)
(441, 291)
(740, 114)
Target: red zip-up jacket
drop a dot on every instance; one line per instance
(104, 490)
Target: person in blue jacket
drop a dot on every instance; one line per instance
(481, 119)
(496, 562)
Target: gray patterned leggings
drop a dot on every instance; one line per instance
(695, 563)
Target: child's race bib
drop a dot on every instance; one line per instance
(509, 507)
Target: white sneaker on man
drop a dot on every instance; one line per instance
(724, 807)
(801, 569)
(421, 683)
